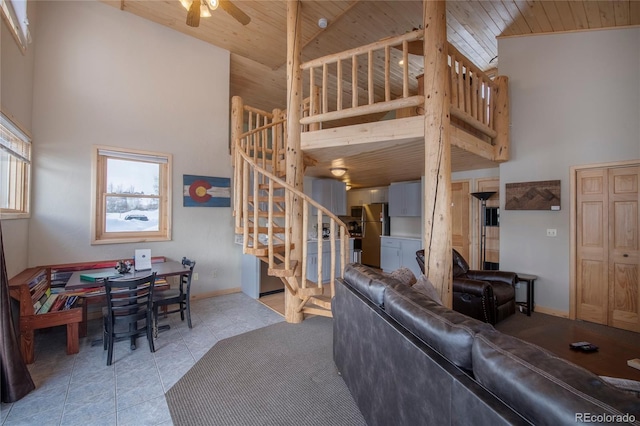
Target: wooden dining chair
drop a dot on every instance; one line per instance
(129, 311)
(176, 296)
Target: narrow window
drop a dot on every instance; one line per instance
(15, 170)
(132, 201)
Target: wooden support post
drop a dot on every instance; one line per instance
(501, 117)
(437, 187)
(294, 157)
(237, 108)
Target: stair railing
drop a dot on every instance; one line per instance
(256, 200)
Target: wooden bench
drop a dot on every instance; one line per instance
(30, 321)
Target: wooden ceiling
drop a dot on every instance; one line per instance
(258, 50)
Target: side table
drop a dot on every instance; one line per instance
(529, 280)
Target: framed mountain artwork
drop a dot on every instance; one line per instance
(541, 195)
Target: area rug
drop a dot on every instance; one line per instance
(282, 374)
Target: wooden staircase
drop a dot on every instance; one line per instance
(264, 210)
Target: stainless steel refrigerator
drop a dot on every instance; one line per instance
(375, 223)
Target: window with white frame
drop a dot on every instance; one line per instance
(132, 201)
(14, 13)
(15, 170)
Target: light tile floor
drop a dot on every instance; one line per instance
(82, 390)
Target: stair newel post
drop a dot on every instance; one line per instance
(237, 108)
(294, 163)
(437, 190)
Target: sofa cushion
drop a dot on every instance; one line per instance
(423, 285)
(545, 389)
(446, 331)
(404, 275)
(368, 281)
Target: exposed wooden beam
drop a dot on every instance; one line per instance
(294, 158)
(437, 173)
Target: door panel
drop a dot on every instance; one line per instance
(624, 254)
(592, 246)
(460, 217)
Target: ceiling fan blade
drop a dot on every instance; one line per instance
(233, 10)
(193, 15)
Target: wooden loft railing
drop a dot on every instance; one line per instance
(477, 101)
(317, 70)
(263, 203)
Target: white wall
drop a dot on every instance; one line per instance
(16, 89)
(575, 100)
(104, 76)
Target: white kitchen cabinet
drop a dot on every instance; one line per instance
(312, 260)
(360, 197)
(379, 195)
(399, 252)
(332, 194)
(389, 254)
(405, 199)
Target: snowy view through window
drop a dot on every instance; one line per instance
(132, 196)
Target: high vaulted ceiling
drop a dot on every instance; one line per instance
(258, 53)
(258, 50)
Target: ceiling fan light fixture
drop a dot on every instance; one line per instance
(204, 11)
(186, 4)
(213, 4)
(338, 171)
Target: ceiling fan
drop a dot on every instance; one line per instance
(203, 8)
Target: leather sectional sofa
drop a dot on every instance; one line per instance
(407, 360)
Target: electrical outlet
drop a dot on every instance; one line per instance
(195, 276)
(552, 232)
(215, 273)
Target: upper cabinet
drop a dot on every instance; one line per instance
(405, 199)
(360, 197)
(332, 194)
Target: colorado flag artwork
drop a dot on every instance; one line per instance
(205, 191)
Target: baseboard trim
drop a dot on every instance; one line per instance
(216, 293)
(550, 311)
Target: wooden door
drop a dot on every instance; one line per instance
(624, 291)
(607, 252)
(592, 245)
(460, 218)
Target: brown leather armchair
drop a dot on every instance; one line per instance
(488, 296)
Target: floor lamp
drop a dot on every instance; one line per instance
(483, 197)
